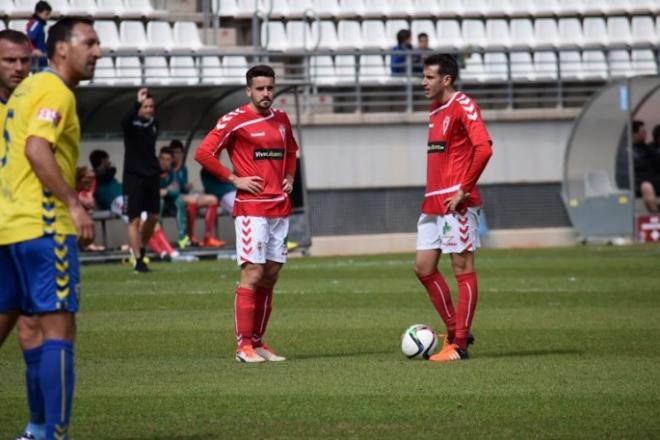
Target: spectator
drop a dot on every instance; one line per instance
(36, 32)
(193, 200)
(224, 191)
(647, 170)
(171, 197)
(108, 192)
(399, 61)
(141, 175)
(422, 46)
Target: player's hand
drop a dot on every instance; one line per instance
(84, 178)
(142, 94)
(452, 203)
(84, 224)
(287, 184)
(251, 184)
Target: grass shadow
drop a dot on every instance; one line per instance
(344, 354)
(525, 353)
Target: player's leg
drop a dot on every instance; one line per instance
(51, 276)
(10, 293)
(30, 340)
(181, 220)
(191, 202)
(649, 196)
(429, 242)
(210, 219)
(462, 244)
(251, 237)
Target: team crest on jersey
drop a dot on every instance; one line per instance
(49, 115)
(445, 124)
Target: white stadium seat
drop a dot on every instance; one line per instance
(322, 70)
(108, 35)
(329, 38)
(522, 33)
(184, 70)
(619, 63)
(570, 33)
(522, 66)
(546, 34)
(159, 36)
(345, 68)
(595, 32)
(212, 72)
(569, 8)
(427, 27)
(110, 7)
(474, 8)
(450, 9)
(545, 65)
(449, 35)
(497, 34)
(594, 64)
(60, 7)
(643, 31)
(425, 8)
(234, 69)
(128, 71)
(156, 70)
(297, 8)
(376, 9)
(104, 73)
(618, 7)
(474, 33)
(2, 25)
(246, 8)
(546, 7)
(299, 35)
(644, 62)
(401, 8)
(570, 64)
(273, 36)
(372, 69)
(495, 67)
(88, 7)
(17, 25)
(501, 8)
(226, 8)
(474, 69)
(351, 8)
(186, 36)
(593, 7)
(21, 8)
(132, 35)
(326, 8)
(277, 9)
(373, 35)
(618, 31)
(349, 34)
(644, 7)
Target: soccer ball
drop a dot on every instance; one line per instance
(419, 341)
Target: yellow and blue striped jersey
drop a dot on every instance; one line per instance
(42, 106)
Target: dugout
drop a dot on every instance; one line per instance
(598, 177)
(187, 113)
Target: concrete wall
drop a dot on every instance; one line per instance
(393, 155)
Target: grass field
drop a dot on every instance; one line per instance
(568, 346)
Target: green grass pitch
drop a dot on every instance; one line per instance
(568, 346)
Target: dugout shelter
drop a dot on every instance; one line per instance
(598, 181)
(188, 112)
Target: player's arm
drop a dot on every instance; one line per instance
(42, 160)
(207, 155)
(291, 160)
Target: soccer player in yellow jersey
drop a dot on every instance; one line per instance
(40, 214)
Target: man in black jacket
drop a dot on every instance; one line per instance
(141, 174)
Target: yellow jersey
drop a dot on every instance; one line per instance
(42, 106)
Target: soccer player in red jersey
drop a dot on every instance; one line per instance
(262, 150)
(459, 147)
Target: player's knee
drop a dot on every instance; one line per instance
(29, 332)
(422, 270)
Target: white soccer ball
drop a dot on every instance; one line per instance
(419, 341)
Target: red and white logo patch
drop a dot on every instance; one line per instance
(49, 115)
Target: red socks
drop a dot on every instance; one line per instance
(264, 305)
(191, 213)
(440, 296)
(467, 303)
(210, 217)
(244, 307)
(158, 243)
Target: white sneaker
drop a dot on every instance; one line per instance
(248, 355)
(268, 354)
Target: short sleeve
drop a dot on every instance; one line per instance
(48, 112)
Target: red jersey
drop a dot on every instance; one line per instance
(458, 149)
(258, 145)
